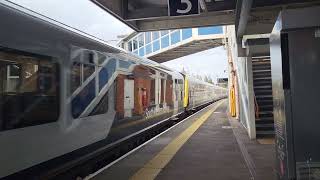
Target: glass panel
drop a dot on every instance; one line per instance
(135, 44)
(14, 70)
(148, 49)
(102, 107)
(88, 58)
(175, 37)
(148, 37)
(125, 64)
(83, 99)
(88, 70)
(141, 52)
(165, 42)
(130, 46)
(135, 52)
(156, 46)
(155, 35)
(75, 76)
(102, 58)
(106, 73)
(141, 40)
(210, 30)
(186, 33)
(163, 33)
(29, 89)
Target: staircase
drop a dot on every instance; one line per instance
(262, 84)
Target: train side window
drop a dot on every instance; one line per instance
(29, 93)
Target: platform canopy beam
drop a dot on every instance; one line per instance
(148, 15)
(243, 10)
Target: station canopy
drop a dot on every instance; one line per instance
(249, 16)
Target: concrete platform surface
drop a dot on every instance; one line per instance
(208, 145)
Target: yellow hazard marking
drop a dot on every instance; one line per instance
(152, 168)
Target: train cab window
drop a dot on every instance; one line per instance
(29, 89)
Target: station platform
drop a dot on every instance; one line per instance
(207, 145)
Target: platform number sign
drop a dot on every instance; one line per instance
(183, 7)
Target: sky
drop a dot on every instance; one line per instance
(212, 62)
(86, 16)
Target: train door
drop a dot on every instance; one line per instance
(128, 97)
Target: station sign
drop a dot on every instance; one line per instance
(183, 7)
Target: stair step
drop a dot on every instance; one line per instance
(265, 108)
(260, 58)
(262, 78)
(263, 62)
(265, 125)
(263, 87)
(261, 90)
(263, 96)
(267, 100)
(263, 93)
(265, 133)
(260, 71)
(265, 120)
(261, 83)
(257, 68)
(266, 115)
(264, 102)
(261, 66)
(266, 112)
(261, 74)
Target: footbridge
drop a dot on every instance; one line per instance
(166, 45)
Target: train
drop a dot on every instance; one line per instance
(62, 90)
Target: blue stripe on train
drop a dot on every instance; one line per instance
(83, 99)
(106, 73)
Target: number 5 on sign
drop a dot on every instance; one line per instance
(183, 7)
(188, 8)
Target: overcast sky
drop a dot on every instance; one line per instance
(86, 16)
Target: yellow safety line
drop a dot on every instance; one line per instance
(155, 165)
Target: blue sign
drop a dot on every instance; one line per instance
(183, 7)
